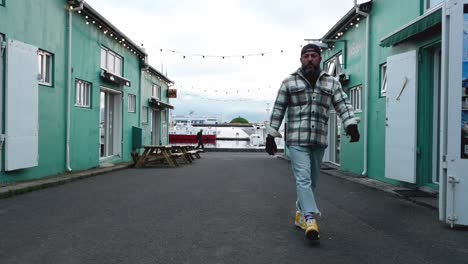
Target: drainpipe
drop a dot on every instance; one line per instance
(69, 81)
(366, 84)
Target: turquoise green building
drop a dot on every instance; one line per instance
(379, 58)
(404, 66)
(76, 92)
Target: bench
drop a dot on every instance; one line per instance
(182, 152)
(194, 151)
(153, 154)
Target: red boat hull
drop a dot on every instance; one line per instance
(207, 139)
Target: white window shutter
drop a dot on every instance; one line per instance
(21, 106)
(401, 122)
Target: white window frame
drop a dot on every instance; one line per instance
(144, 114)
(82, 94)
(383, 80)
(430, 6)
(111, 61)
(333, 66)
(44, 60)
(355, 96)
(131, 103)
(156, 91)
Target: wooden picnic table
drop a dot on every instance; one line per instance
(182, 149)
(156, 153)
(194, 151)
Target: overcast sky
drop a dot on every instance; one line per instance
(233, 86)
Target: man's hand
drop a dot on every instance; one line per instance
(270, 145)
(353, 132)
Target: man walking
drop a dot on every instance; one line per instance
(308, 95)
(200, 139)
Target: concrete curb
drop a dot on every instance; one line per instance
(374, 184)
(24, 187)
(388, 188)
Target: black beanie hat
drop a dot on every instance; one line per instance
(310, 48)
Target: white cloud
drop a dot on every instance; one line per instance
(229, 27)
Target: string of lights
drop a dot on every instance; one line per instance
(235, 95)
(222, 91)
(127, 43)
(203, 56)
(199, 96)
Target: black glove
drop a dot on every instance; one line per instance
(270, 145)
(353, 132)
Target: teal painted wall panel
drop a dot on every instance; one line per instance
(352, 45)
(43, 26)
(46, 26)
(383, 22)
(146, 88)
(87, 42)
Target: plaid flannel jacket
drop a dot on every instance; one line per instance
(308, 109)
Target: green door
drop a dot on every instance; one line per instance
(428, 116)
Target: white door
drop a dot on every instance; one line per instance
(454, 179)
(156, 127)
(21, 106)
(401, 109)
(164, 127)
(332, 152)
(110, 123)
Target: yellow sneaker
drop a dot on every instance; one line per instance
(299, 220)
(312, 230)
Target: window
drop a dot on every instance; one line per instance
(144, 114)
(45, 67)
(383, 80)
(156, 91)
(83, 94)
(2, 2)
(355, 96)
(131, 103)
(431, 3)
(111, 62)
(333, 65)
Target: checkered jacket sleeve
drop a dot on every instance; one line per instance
(280, 107)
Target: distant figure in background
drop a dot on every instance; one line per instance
(200, 139)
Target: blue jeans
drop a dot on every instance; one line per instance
(306, 163)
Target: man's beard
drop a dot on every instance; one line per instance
(310, 69)
(311, 72)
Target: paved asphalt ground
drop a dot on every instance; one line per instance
(223, 208)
